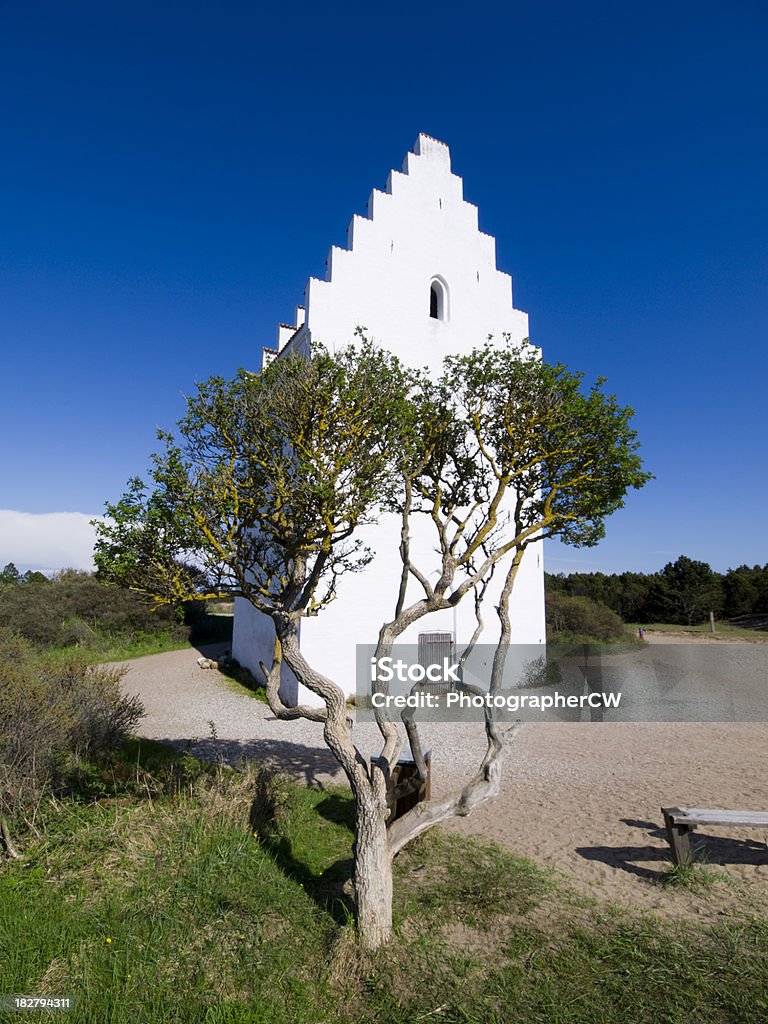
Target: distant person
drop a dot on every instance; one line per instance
(641, 633)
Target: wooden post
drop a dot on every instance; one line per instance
(712, 621)
(678, 835)
(404, 776)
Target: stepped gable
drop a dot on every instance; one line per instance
(418, 224)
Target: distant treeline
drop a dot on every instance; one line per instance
(683, 592)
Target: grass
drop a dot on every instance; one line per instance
(629, 641)
(189, 893)
(239, 679)
(105, 647)
(724, 630)
(122, 649)
(695, 876)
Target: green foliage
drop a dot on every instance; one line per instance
(10, 576)
(55, 717)
(74, 606)
(695, 876)
(683, 592)
(77, 610)
(271, 476)
(474, 881)
(624, 593)
(243, 677)
(745, 591)
(582, 617)
(270, 473)
(264, 490)
(690, 590)
(571, 454)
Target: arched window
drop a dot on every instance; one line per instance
(438, 299)
(434, 301)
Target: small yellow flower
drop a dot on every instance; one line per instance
(108, 939)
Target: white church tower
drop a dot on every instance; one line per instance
(421, 279)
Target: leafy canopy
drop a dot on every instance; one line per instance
(266, 485)
(264, 489)
(570, 456)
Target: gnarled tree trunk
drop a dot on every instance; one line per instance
(373, 871)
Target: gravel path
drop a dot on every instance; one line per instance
(181, 701)
(185, 703)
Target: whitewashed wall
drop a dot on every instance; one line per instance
(418, 229)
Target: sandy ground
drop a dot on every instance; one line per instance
(579, 797)
(586, 800)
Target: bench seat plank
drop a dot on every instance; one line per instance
(714, 816)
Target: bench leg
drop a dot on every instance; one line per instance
(680, 841)
(679, 837)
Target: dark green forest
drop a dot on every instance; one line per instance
(684, 592)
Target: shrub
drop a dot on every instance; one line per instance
(582, 617)
(77, 609)
(53, 718)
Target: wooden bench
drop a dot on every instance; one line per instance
(681, 821)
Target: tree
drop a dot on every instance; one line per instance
(582, 617)
(35, 577)
(272, 476)
(690, 590)
(741, 588)
(10, 576)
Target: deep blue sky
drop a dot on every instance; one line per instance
(170, 175)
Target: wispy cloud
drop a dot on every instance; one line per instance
(46, 541)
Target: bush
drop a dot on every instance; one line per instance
(581, 617)
(54, 718)
(75, 609)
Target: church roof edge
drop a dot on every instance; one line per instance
(431, 148)
(423, 135)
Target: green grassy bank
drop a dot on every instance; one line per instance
(169, 891)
